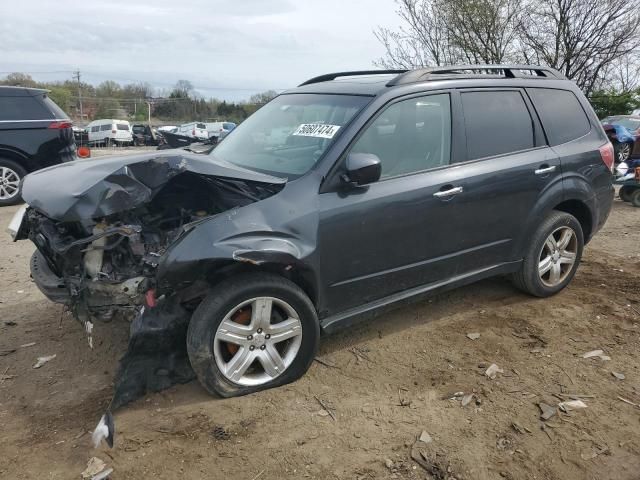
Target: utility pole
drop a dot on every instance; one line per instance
(77, 77)
(149, 105)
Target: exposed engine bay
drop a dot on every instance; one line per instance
(101, 239)
(109, 264)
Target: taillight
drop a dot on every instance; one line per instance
(60, 125)
(113, 131)
(194, 132)
(221, 129)
(607, 155)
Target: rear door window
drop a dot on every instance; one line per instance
(123, 126)
(496, 123)
(23, 108)
(563, 118)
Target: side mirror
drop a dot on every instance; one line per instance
(362, 169)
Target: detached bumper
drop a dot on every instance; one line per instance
(52, 286)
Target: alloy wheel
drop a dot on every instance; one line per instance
(557, 256)
(624, 151)
(9, 183)
(257, 341)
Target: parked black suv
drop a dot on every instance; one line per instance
(354, 192)
(34, 133)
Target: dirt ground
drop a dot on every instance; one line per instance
(384, 383)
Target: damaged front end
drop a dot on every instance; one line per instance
(103, 227)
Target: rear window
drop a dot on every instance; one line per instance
(123, 126)
(201, 125)
(23, 108)
(228, 126)
(563, 118)
(496, 123)
(53, 107)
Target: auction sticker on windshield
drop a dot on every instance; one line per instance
(319, 130)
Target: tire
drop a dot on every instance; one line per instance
(635, 198)
(11, 175)
(210, 355)
(622, 151)
(528, 278)
(625, 193)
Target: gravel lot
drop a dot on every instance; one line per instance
(384, 383)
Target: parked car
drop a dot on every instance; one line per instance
(34, 133)
(218, 130)
(623, 131)
(108, 131)
(196, 130)
(385, 190)
(80, 135)
(143, 135)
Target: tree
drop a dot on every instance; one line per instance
(109, 89)
(262, 98)
(584, 39)
(18, 79)
(182, 89)
(445, 32)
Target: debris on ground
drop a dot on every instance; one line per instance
(593, 452)
(519, 428)
(493, 370)
(10, 323)
(326, 408)
(467, 399)
(425, 437)
(637, 405)
(95, 466)
(546, 411)
(25, 345)
(220, 433)
(571, 405)
(619, 376)
(473, 336)
(42, 360)
(9, 351)
(388, 463)
(596, 353)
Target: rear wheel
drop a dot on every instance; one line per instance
(253, 332)
(11, 175)
(635, 198)
(625, 193)
(552, 257)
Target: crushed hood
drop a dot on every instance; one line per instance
(85, 189)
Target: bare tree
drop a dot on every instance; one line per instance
(592, 42)
(581, 38)
(444, 32)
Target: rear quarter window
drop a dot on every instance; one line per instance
(123, 126)
(23, 108)
(496, 122)
(561, 113)
(53, 107)
(105, 127)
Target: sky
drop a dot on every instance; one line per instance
(228, 49)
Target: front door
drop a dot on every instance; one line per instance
(399, 232)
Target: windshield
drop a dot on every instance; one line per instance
(288, 135)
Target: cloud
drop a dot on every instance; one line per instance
(216, 44)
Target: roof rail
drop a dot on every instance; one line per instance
(507, 71)
(332, 76)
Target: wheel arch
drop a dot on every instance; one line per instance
(16, 156)
(581, 211)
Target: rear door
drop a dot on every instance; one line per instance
(507, 167)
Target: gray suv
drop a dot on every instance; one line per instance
(352, 193)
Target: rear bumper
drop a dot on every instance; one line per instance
(604, 203)
(52, 286)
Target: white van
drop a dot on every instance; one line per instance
(194, 129)
(109, 131)
(219, 130)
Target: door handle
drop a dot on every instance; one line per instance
(545, 170)
(448, 193)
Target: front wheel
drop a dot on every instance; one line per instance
(552, 257)
(635, 198)
(252, 332)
